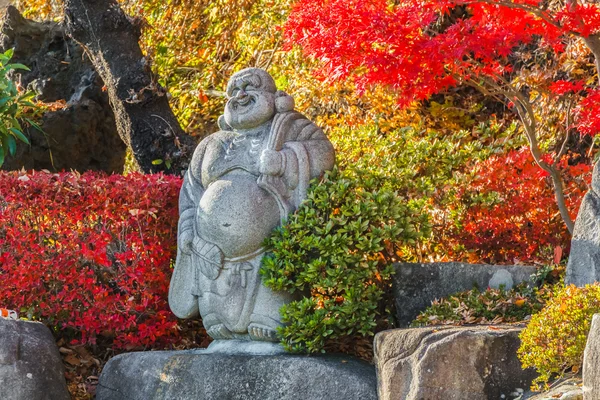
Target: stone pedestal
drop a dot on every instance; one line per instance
(450, 363)
(226, 372)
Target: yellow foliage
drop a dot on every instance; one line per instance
(40, 9)
(555, 339)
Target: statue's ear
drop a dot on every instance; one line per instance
(224, 126)
(283, 102)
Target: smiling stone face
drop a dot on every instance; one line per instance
(251, 101)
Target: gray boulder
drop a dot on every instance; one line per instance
(584, 259)
(30, 365)
(450, 363)
(417, 285)
(591, 362)
(222, 375)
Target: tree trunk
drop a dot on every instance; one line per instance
(144, 118)
(593, 43)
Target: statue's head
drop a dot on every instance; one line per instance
(253, 99)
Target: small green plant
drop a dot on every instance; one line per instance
(338, 248)
(13, 107)
(491, 306)
(555, 339)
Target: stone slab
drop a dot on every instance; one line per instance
(416, 285)
(30, 364)
(450, 363)
(215, 375)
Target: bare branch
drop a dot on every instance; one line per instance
(563, 148)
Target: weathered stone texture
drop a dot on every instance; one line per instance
(569, 389)
(215, 376)
(584, 258)
(440, 363)
(30, 365)
(417, 285)
(591, 362)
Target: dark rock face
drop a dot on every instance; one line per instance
(145, 120)
(82, 135)
(417, 285)
(216, 376)
(30, 365)
(450, 363)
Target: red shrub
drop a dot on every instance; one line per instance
(511, 212)
(90, 254)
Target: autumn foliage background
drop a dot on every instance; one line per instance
(460, 150)
(443, 96)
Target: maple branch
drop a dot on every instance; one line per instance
(526, 114)
(485, 91)
(533, 10)
(557, 182)
(563, 148)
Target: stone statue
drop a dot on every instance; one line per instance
(241, 183)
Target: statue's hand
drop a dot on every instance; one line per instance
(208, 256)
(271, 163)
(185, 240)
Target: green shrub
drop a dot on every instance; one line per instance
(12, 107)
(555, 339)
(338, 248)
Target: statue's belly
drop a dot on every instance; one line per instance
(236, 214)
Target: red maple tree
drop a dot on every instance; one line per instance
(423, 47)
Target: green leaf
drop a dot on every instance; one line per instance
(2, 153)
(18, 66)
(19, 135)
(15, 122)
(157, 162)
(34, 124)
(9, 143)
(4, 100)
(27, 95)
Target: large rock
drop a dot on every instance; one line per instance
(206, 375)
(584, 259)
(30, 365)
(591, 362)
(456, 363)
(417, 285)
(82, 135)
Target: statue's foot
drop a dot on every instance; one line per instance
(219, 331)
(262, 332)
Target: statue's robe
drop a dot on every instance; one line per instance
(231, 208)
